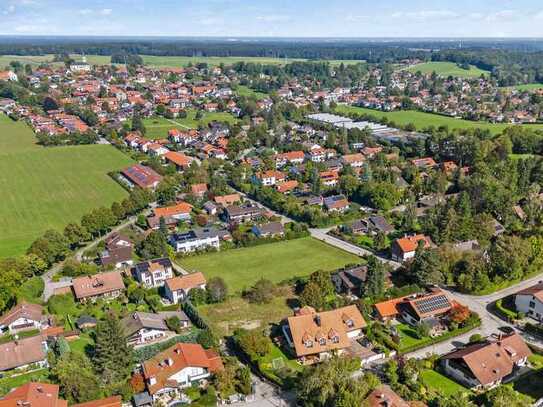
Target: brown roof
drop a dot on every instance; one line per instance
(186, 282)
(435, 303)
(227, 200)
(181, 207)
(34, 395)
(535, 290)
(388, 309)
(327, 324)
(98, 284)
(492, 360)
(410, 243)
(33, 312)
(353, 158)
(287, 186)
(113, 401)
(384, 396)
(182, 355)
(22, 352)
(198, 188)
(142, 176)
(179, 159)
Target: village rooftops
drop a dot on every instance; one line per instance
(22, 352)
(181, 208)
(34, 312)
(226, 200)
(147, 320)
(113, 401)
(186, 282)
(142, 176)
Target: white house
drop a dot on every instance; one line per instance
(180, 366)
(193, 240)
(177, 289)
(145, 327)
(153, 273)
(530, 301)
(24, 317)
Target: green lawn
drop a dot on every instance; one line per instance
(49, 187)
(275, 261)
(248, 92)
(31, 290)
(441, 383)
(82, 344)
(8, 383)
(408, 336)
(448, 69)
(422, 120)
(157, 127)
(526, 86)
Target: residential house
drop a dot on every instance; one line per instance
(179, 366)
(351, 280)
(354, 160)
(24, 317)
(227, 200)
(177, 289)
(487, 364)
(198, 190)
(35, 394)
(314, 336)
(210, 208)
(287, 186)
(427, 308)
(180, 160)
(144, 327)
(329, 178)
(404, 248)
(270, 178)
(271, 229)
(153, 273)
(384, 396)
(23, 352)
(103, 285)
(530, 301)
(194, 240)
(336, 203)
(142, 176)
(235, 213)
(291, 157)
(424, 163)
(118, 251)
(179, 211)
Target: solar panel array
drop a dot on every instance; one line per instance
(426, 305)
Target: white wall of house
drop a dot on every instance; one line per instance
(146, 335)
(193, 245)
(22, 324)
(190, 374)
(529, 305)
(459, 375)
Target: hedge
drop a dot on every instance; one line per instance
(147, 352)
(441, 338)
(504, 312)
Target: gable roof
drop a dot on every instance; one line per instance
(410, 243)
(34, 395)
(98, 284)
(432, 304)
(179, 208)
(326, 324)
(494, 359)
(384, 396)
(34, 312)
(179, 159)
(22, 352)
(181, 355)
(535, 290)
(147, 320)
(226, 200)
(186, 282)
(113, 401)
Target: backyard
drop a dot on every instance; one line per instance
(281, 261)
(157, 127)
(441, 383)
(46, 188)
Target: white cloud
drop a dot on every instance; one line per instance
(502, 15)
(106, 11)
(425, 15)
(85, 11)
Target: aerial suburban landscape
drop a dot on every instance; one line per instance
(259, 209)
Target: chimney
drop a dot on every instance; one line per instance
(169, 362)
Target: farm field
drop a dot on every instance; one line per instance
(422, 120)
(447, 69)
(157, 127)
(526, 86)
(49, 187)
(275, 261)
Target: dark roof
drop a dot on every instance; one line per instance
(143, 399)
(85, 319)
(147, 320)
(144, 266)
(381, 224)
(272, 228)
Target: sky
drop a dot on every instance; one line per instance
(274, 18)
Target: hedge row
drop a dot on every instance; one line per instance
(147, 352)
(505, 313)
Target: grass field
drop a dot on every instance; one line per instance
(443, 384)
(527, 86)
(8, 383)
(275, 261)
(164, 61)
(448, 69)
(235, 312)
(157, 127)
(422, 120)
(49, 187)
(248, 92)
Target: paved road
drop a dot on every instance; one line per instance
(322, 234)
(51, 286)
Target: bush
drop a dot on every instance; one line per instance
(475, 338)
(505, 312)
(262, 292)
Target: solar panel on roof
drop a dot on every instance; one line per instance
(426, 305)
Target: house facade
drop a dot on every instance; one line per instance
(153, 273)
(177, 289)
(143, 328)
(24, 317)
(530, 301)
